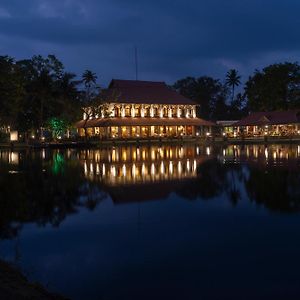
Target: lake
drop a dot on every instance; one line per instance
(150, 222)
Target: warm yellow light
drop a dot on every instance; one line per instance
(133, 170)
(266, 153)
(188, 165)
(179, 168)
(207, 151)
(195, 165)
(152, 169)
(124, 170)
(113, 171)
(152, 154)
(14, 136)
(124, 155)
(143, 169)
(162, 168)
(85, 168)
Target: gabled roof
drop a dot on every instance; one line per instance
(270, 118)
(147, 92)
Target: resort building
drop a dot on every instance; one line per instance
(275, 123)
(143, 109)
(226, 127)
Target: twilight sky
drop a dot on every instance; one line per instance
(175, 38)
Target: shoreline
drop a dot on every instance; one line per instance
(172, 141)
(15, 286)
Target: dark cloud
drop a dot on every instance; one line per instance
(175, 38)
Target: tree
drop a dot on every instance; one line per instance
(238, 107)
(210, 93)
(276, 87)
(57, 127)
(233, 80)
(49, 92)
(89, 105)
(11, 92)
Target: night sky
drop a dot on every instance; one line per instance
(174, 38)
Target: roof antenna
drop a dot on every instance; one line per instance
(136, 62)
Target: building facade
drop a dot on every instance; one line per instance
(143, 109)
(275, 123)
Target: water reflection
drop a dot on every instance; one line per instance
(282, 154)
(132, 165)
(46, 186)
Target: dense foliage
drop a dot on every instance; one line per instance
(38, 91)
(212, 96)
(276, 87)
(33, 91)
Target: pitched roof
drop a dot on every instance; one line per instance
(147, 92)
(270, 118)
(106, 122)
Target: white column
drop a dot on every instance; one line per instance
(161, 111)
(178, 111)
(132, 111)
(122, 111)
(187, 115)
(142, 111)
(151, 111)
(113, 111)
(194, 111)
(170, 112)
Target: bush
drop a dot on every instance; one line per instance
(4, 137)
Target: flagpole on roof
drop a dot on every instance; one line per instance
(136, 62)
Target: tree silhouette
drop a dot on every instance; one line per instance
(233, 80)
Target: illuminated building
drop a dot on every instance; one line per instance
(265, 124)
(143, 109)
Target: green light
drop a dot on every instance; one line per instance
(58, 164)
(57, 126)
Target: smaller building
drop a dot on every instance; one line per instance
(226, 127)
(275, 123)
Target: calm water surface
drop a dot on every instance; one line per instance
(173, 222)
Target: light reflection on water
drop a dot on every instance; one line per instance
(195, 221)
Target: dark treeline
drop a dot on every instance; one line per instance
(38, 93)
(276, 87)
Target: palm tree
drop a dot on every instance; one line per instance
(89, 78)
(233, 80)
